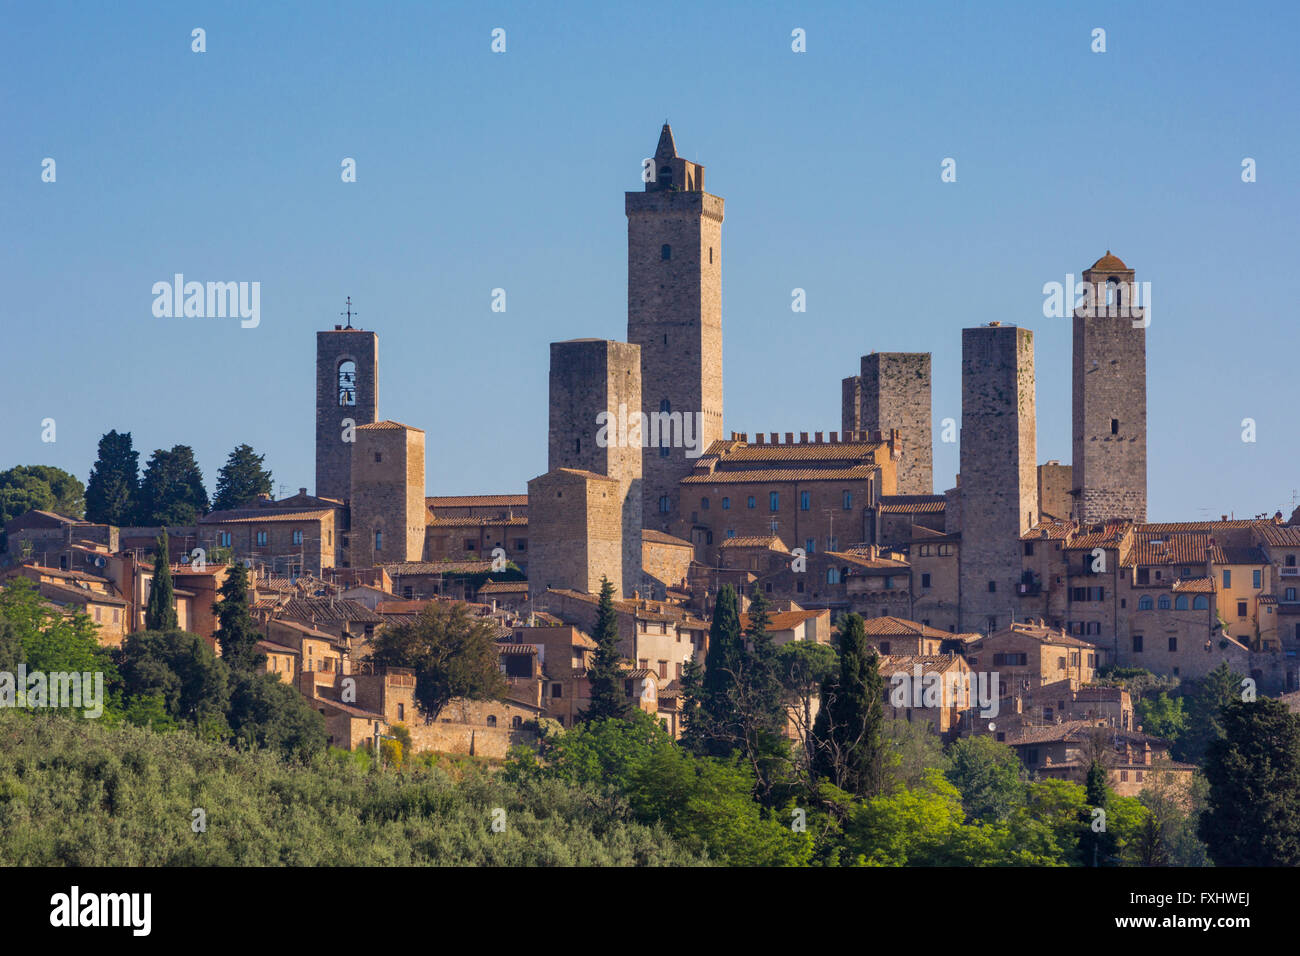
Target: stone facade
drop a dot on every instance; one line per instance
(595, 385)
(674, 312)
(1110, 402)
(343, 391)
(576, 531)
(1055, 482)
(999, 475)
(895, 394)
(387, 496)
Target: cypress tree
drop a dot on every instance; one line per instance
(605, 677)
(848, 735)
(160, 612)
(114, 485)
(712, 727)
(237, 632)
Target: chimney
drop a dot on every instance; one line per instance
(302, 491)
(744, 436)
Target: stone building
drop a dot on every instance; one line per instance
(576, 531)
(812, 494)
(674, 313)
(999, 474)
(1110, 398)
(387, 505)
(893, 392)
(347, 394)
(1055, 482)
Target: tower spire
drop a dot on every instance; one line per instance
(349, 313)
(666, 149)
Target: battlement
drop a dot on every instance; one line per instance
(834, 438)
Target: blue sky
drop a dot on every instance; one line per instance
(478, 171)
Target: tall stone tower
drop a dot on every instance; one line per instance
(999, 473)
(388, 511)
(894, 392)
(347, 387)
(595, 397)
(1110, 398)
(674, 312)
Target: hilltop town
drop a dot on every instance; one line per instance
(1034, 580)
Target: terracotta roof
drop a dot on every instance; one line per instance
(80, 595)
(516, 649)
(659, 537)
(870, 564)
(388, 425)
(1055, 530)
(1227, 554)
(407, 568)
(1174, 527)
(1266, 598)
(771, 542)
(517, 521)
(476, 501)
(737, 451)
(60, 573)
(890, 626)
(784, 620)
(504, 587)
(1109, 263)
(1080, 730)
(348, 709)
(775, 475)
(321, 609)
(1186, 548)
(930, 663)
(401, 607)
(914, 504)
(1047, 635)
(251, 515)
(304, 629)
(276, 648)
(1194, 585)
(1280, 535)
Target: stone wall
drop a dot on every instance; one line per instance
(333, 454)
(895, 393)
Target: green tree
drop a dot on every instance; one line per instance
(1097, 844)
(803, 666)
(113, 490)
(989, 776)
(177, 668)
(236, 630)
(912, 748)
(605, 678)
(160, 612)
(172, 492)
(24, 488)
(1252, 815)
(52, 639)
(452, 654)
(241, 479)
(1162, 716)
(1220, 687)
(710, 724)
(267, 713)
(848, 730)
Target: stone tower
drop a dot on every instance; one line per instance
(595, 402)
(999, 473)
(388, 511)
(674, 312)
(347, 387)
(1110, 398)
(893, 391)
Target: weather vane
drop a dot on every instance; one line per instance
(349, 313)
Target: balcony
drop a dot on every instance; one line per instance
(1289, 572)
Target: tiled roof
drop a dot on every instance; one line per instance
(516, 521)
(304, 629)
(772, 542)
(1194, 585)
(1109, 263)
(1080, 730)
(1238, 555)
(516, 649)
(930, 663)
(1055, 530)
(660, 537)
(775, 475)
(1280, 535)
(1267, 598)
(735, 451)
(348, 709)
(251, 515)
(389, 425)
(911, 504)
(407, 568)
(1047, 635)
(1187, 548)
(1175, 527)
(401, 607)
(890, 626)
(784, 620)
(322, 609)
(504, 587)
(80, 595)
(869, 563)
(476, 501)
(60, 573)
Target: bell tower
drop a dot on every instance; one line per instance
(347, 390)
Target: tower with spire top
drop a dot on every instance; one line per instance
(674, 313)
(1109, 397)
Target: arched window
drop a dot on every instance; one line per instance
(1144, 603)
(379, 541)
(1200, 603)
(492, 720)
(665, 251)
(347, 383)
(516, 722)
(1164, 602)
(1180, 603)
